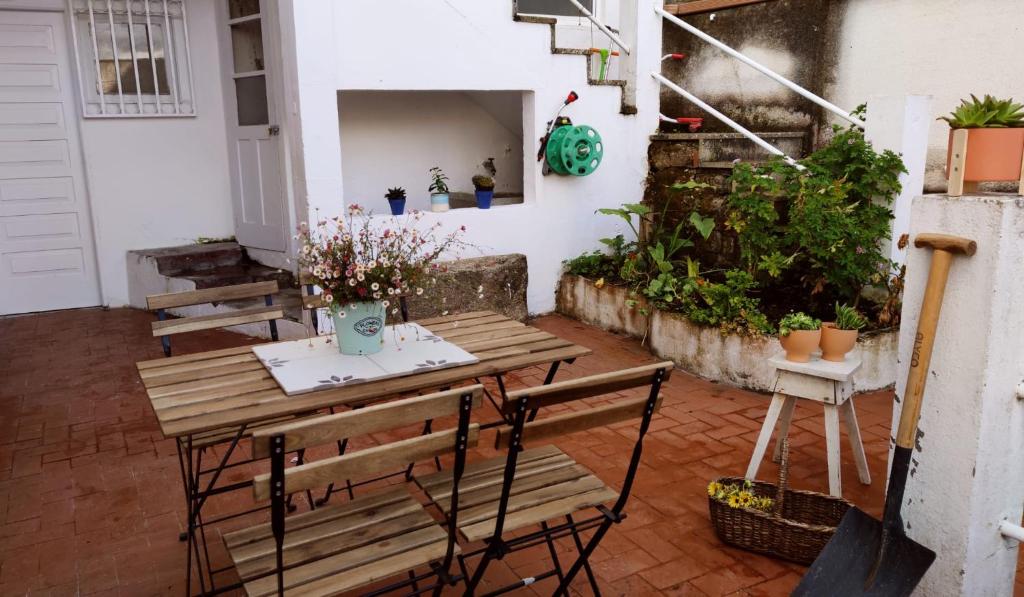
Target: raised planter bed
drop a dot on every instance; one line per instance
(704, 351)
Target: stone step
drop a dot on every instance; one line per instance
(172, 261)
(720, 150)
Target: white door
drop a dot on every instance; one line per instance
(47, 259)
(254, 144)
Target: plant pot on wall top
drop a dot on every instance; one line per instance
(993, 154)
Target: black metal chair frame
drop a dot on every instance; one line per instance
(497, 547)
(442, 571)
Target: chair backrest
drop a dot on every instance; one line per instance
(279, 440)
(164, 327)
(520, 402)
(371, 419)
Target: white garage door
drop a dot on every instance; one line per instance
(47, 260)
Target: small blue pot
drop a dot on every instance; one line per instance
(360, 327)
(397, 206)
(483, 199)
(439, 202)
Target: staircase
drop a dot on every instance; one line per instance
(624, 106)
(211, 265)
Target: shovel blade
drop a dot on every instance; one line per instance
(843, 567)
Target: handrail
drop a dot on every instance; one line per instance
(758, 66)
(611, 34)
(729, 121)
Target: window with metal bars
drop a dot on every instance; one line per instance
(132, 58)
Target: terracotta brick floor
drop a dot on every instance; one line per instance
(91, 501)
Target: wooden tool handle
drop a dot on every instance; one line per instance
(924, 340)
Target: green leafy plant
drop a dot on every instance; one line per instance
(483, 183)
(438, 181)
(986, 113)
(848, 318)
(395, 194)
(726, 305)
(820, 228)
(797, 322)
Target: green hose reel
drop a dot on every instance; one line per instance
(574, 150)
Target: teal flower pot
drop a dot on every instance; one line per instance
(360, 327)
(439, 202)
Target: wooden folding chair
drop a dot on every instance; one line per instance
(165, 328)
(369, 539)
(530, 487)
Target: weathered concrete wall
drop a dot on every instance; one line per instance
(966, 475)
(795, 38)
(494, 283)
(705, 351)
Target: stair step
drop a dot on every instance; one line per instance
(175, 260)
(719, 150)
(242, 273)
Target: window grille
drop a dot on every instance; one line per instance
(132, 58)
(562, 8)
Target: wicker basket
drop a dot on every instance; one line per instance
(797, 529)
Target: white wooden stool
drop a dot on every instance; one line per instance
(821, 381)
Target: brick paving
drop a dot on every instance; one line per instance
(91, 501)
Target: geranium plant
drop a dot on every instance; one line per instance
(352, 261)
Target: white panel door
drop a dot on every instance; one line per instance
(254, 144)
(47, 258)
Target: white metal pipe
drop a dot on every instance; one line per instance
(760, 67)
(1011, 531)
(96, 55)
(611, 34)
(135, 59)
(729, 121)
(117, 61)
(169, 58)
(152, 60)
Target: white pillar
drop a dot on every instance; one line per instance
(900, 123)
(967, 473)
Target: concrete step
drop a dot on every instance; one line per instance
(193, 267)
(720, 150)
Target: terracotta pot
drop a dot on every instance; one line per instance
(835, 343)
(992, 154)
(800, 344)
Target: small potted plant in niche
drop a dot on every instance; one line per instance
(438, 190)
(799, 335)
(364, 270)
(991, 140)
(396, 199)
(839, 337)
(484, 186)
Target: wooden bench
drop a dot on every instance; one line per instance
(526, 488)
(371, 538)
(165, 328)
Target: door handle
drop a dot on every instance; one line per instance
(274, 130)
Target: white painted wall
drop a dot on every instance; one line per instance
(157, 182)
(391, 139)
(468, 44)
(943, 48)
(966, 473)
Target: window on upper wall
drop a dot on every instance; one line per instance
(552, 7)
(132, 58)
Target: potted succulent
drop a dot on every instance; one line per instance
(839, 337)
(396, 199)
(438, 190)
(363, 271)
(484, 186)
(799, 335)
(995, 138)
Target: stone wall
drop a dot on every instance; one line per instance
(795, 38)
(503, 279)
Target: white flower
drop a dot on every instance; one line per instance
(419, 291)
(391, 291)
(375, 286)
(305, 250)
(480, 289)
(480, 296)
(328, 298)
(376, 295)
(342, 313)
(351, 281)
(395, 310)
(371, 265)
(360, 277)
(386, 304)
